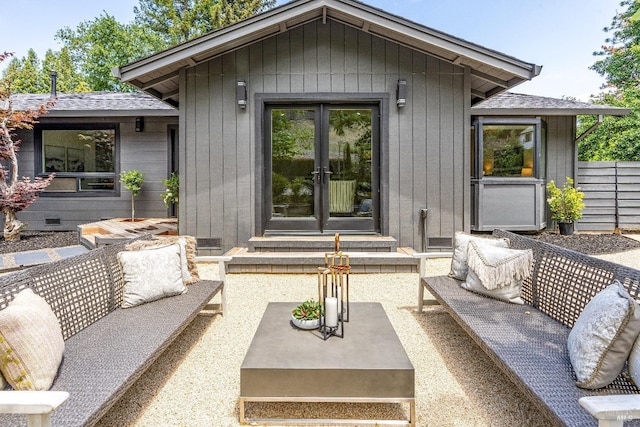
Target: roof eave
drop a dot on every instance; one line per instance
(366, 18)
(549, 111)
(110, 113)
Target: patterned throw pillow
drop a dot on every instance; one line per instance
(634, 363)
(459, 265)
(602, 338)
(187, 253)
(31, 343)
(497, 272)
(151, 274)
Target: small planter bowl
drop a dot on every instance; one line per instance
(305, 324)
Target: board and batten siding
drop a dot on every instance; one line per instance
(146, 151)
(424, 146)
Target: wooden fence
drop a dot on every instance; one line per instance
(612, 195)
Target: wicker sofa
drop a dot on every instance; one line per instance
(106, 348)
(529, 343)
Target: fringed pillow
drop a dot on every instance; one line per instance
(497, 272)
(459, 261)
(187, 253)
(602, 338)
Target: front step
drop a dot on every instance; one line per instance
(245, 261)
(352, 243)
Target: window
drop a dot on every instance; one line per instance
(508, 148)
(83, 158)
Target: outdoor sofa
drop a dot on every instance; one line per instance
(529, 342)
(106, 347)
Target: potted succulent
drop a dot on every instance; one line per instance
(566, 205)
(307, 315)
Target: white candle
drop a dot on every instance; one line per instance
(331, 312)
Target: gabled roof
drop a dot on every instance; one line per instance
(517, 104)
(491, 71)
(95, 104)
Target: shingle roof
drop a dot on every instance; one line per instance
(88, 104)
(517, 104)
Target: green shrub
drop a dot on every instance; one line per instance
(566, 203)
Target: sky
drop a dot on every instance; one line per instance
(560, 35)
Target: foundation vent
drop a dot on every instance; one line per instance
(209, 243)
(441, 242)
(52, 221)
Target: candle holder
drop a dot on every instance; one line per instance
(332, 324)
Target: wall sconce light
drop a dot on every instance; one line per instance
(139, 124)
(401, 93)
(241, 94)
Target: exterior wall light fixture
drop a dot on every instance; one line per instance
(241, 94)
(401, 93)
(139, 124)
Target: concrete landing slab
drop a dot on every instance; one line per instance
(13, 261)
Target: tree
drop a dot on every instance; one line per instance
(15, 194)
(132, 181)
(617, 138)
(177, 21)
(30, 75)
(104, 43)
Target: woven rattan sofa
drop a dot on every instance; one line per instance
(107, 348)
(529, 343)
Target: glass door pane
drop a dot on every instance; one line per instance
(293, 154)
(350, 162)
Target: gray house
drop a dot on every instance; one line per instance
(316, 117)
(87, 139)
(325, 115)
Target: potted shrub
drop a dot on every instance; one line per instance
(566, 205)
(170, 195)
(132, 181)
(307, 315)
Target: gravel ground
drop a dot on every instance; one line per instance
(196, 381)
(592, 244)
(32, 240)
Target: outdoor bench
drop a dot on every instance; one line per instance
(529, 342)
(106, 348)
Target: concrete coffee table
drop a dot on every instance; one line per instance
(285, 364)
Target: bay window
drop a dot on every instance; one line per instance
(508, 148)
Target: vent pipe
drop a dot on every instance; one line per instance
(54, 84)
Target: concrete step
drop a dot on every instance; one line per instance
(352, 243)
(245, 261)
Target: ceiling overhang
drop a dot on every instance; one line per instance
(491, 72)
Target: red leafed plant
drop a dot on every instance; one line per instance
(15, 194)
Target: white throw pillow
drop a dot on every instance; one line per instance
(31, 343)
(151, 274)
(459, 265)
(634, 363)
(497, 272)
(602, 338)
(187, 253)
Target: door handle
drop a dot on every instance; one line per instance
(317, 177)
(327, 173)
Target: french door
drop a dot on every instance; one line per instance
(321, 167)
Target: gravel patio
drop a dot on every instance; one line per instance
(196, 382)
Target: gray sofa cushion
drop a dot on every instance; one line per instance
(103, 360)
